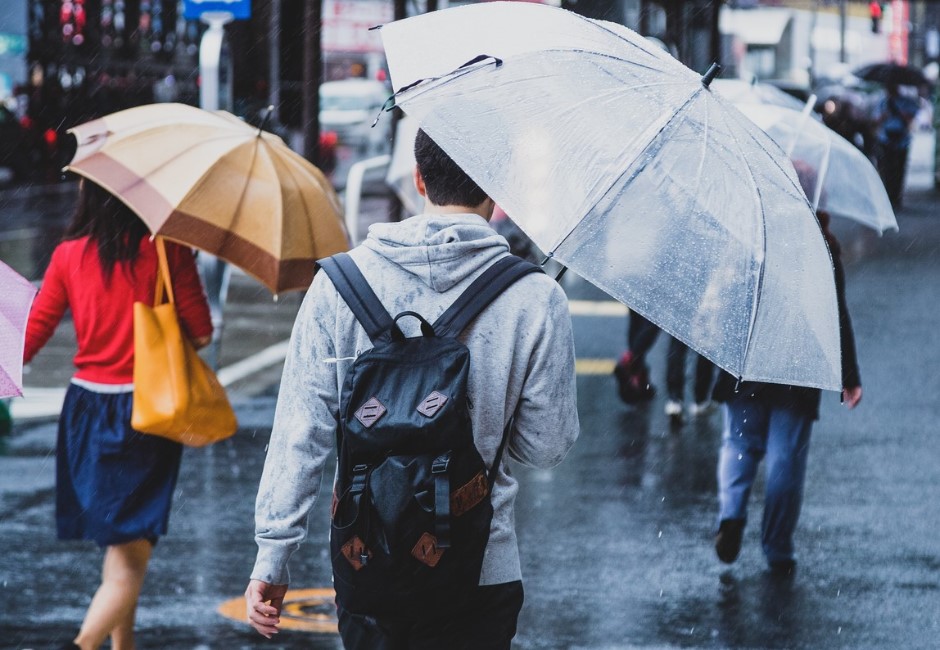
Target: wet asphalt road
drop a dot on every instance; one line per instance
(616, 541)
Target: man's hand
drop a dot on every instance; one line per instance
(264, 606)
(852, 396)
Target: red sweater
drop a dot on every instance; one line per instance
(103, 312)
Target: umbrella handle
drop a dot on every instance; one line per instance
(390, 102)
(713, 71)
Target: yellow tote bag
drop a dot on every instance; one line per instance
(176, 395)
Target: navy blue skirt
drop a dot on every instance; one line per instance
(113, 484)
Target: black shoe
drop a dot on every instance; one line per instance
(782, 568)
(728, 539)
(69, 646)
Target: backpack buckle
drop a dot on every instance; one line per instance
(359, 475)
(440, 464)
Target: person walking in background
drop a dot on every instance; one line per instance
(113, 485)
(893, 120)
(632, 371)
(522, 372)
(775, 421)
(675, 381)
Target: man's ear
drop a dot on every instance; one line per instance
(419, 183)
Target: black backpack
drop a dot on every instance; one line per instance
(411, 509)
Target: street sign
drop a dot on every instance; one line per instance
(240, 9)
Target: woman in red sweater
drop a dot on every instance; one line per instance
(113, 484)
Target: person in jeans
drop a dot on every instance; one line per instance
(774, 421)
(522, 368)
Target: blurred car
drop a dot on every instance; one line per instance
(349, 107)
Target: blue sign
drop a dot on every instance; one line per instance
(240, 9)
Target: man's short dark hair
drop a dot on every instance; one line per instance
(445, 182)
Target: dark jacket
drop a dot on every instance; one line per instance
(805, 400)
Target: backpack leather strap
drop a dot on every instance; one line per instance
(485, 289)
(359, 296)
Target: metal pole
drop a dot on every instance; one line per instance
(215, 272)
(210, 55)
(313, 19)
(812, 43)
(842, 56)
(274, 61)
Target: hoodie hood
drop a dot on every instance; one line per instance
(439, 250)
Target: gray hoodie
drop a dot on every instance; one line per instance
(522, 363)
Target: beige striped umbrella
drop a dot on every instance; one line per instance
(209, 180)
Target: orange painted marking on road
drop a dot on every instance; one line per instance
(306, 610)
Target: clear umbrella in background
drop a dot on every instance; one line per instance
(400, 174)
(754, 92)
(620, 163)
(16, 298)
(845, 183)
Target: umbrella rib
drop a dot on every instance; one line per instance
(758, 292)
(633, 171)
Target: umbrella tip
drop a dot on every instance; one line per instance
(264, 120)
(713, 71)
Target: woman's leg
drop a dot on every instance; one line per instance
(112, 609)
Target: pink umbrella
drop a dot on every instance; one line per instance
(16, 297)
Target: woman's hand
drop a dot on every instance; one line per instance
(852, 396)
(201, 342)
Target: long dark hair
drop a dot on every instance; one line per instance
(108, 223)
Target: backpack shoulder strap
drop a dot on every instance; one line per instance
(359, 296)
(481, 292)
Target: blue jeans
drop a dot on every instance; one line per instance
(752, 430)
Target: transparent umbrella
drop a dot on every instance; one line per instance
(841, 179)
(620, 163)
(755, 92)
(16, 297)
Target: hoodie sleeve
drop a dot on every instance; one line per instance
(301, 438)
(546, 419)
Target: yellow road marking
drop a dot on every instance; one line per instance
(594, 366)
(307, 610)
(597, 308)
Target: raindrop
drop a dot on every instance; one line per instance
(839, 630)
(663, 500)
(660, 593)
(838, 592)
(740, 456)
(660, 535)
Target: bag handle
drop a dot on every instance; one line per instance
(164, 284)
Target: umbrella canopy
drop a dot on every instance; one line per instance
(16, 297)
(209, 180)
(892, 73)
(841, 180)
(754, 92)
(616, 160)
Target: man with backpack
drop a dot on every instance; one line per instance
(476, 366)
